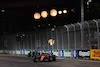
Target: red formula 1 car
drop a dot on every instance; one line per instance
(44, 57)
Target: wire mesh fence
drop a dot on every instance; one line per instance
(63, 37)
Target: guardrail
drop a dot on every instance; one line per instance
(84, 54)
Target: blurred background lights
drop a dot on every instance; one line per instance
(87, 3)
(38, 25)
(73, 10)
(60, 12)
(51, 41)
(64, 11)
(37, 15)
(48, 24)
(43, 24)
(89, 0)
(53, 12)
(53, 29)
(17, 35)
(54, 25)
(2, 10)
(23, 34)
(44, 14)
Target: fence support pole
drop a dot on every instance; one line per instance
(74, 35)
(57, 39)
(88, 33)
(97, 24)
(67, 35)
(35, 42)
(47, 42)
(81, 35)
(62, 38)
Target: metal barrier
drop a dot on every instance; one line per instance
(64, 37)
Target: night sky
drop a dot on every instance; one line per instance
(18, 15)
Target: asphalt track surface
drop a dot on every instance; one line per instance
(23, 61)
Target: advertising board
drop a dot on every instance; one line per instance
(9, 51)
(13, 51)
(22, 52)
(18, 51)
(1, 51)
(55, 52)
(84, 53)
(74, 53)
(39, 51)
(4, 50)
(60, 53)
(31, 50)
(27, 51)
(50, 51)
(95, 54)
(67, 53)
(45, 51)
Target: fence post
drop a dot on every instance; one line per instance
(88, 33)
(67, 35)
(74, 35)
(31, 40)
(62, 38)
(81, 34)
(97, 31)
(35, 42)
(57, 39)
(47, 42)
(52, 38)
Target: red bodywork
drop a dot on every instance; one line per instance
(46, 55)
(42, 56)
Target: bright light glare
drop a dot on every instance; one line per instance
(64, 11)
(2, 10)
(37, 15)
(48, 24)
(52, 29)
(90, 0)
(51, 41)
(23, 34)
(44, 14)
(38, 25)
(59, 12)
(53, 12)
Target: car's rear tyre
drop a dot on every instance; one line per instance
(34, 59)
(49, 59)
(54, 58)
(29, 54)
(39, 59)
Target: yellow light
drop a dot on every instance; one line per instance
(53, 12)
(54, 25)
(64, 11)
(44, 14)
(52, 29)
(37, 15)
(59, 12)
(51, 41)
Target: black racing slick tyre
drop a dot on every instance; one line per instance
(34, 59)
(29, 54)
(54, 58)
(39, 59)
(49, 59)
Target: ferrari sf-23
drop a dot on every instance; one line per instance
(44, 57)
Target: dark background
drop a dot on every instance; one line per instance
(18, 15)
